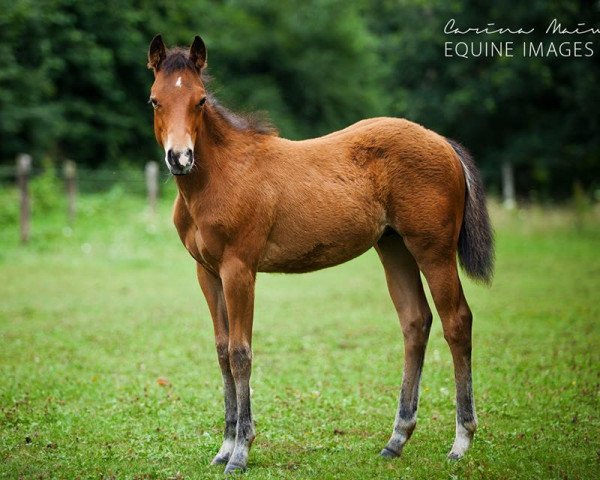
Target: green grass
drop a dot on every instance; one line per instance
(91, 317)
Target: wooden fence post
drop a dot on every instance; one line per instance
(152, 185)
(70, 173)
(508, 186)
(23, 171)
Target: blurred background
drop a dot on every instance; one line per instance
(106, 348)
(74, 83)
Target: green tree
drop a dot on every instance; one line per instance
(74, 81)
(538, 113)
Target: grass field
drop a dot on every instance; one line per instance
(92, 317)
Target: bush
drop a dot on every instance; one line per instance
(46, 190)
(9, 207)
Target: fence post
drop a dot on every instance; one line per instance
(70, 173)
(508, 186)
(23, 171)
(152, 185)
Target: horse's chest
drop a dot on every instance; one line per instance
(207, 252)
(200, 248)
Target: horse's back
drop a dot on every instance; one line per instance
(392, 153)
(379, 129)
(395, 146)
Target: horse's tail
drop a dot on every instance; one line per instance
(476, 239)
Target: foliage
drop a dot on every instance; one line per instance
(581, 204)
(73, 81)
(536, 112)
(92, 318)
(9, 207)
(47, 193)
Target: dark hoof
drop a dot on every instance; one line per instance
(220, 460)
(233, 468)
(389, 453)
(454, 456)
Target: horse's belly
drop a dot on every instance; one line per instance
(304, 246)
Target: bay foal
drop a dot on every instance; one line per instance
(251, 201)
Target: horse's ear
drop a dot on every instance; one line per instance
(198, 53)
(156, 53)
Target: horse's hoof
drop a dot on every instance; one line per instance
(454, 456)
(233, 468)
(389, 453)
(220, 459)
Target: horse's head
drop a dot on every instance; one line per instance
(178, 97)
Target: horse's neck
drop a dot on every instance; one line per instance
(217, 145)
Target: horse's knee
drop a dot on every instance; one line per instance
(223, 354)
(240, 359)
(470, 425)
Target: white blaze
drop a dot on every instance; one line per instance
(178, 82)
(167, 146)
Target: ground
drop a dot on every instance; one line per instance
(109, 370)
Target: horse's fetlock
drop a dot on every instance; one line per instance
(246, 432)
(406, 425)
(230, 427)
(470, 426)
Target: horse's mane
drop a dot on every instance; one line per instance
(177, 59)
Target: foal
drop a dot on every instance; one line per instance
(251, 201)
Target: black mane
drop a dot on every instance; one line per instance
(177, 59)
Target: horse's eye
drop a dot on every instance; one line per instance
(201, 102)
(154, 103)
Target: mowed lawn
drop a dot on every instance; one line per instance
(108, 368)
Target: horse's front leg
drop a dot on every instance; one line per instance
(238, 286)
(213, 291)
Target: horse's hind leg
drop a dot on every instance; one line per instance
(406, 290)
(438, 264)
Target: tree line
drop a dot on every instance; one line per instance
(74, 83)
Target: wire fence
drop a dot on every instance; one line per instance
(76, 180)
(90, 180)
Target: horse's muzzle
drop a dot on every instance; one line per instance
(180, 162)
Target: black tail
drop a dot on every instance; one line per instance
(476, 239)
